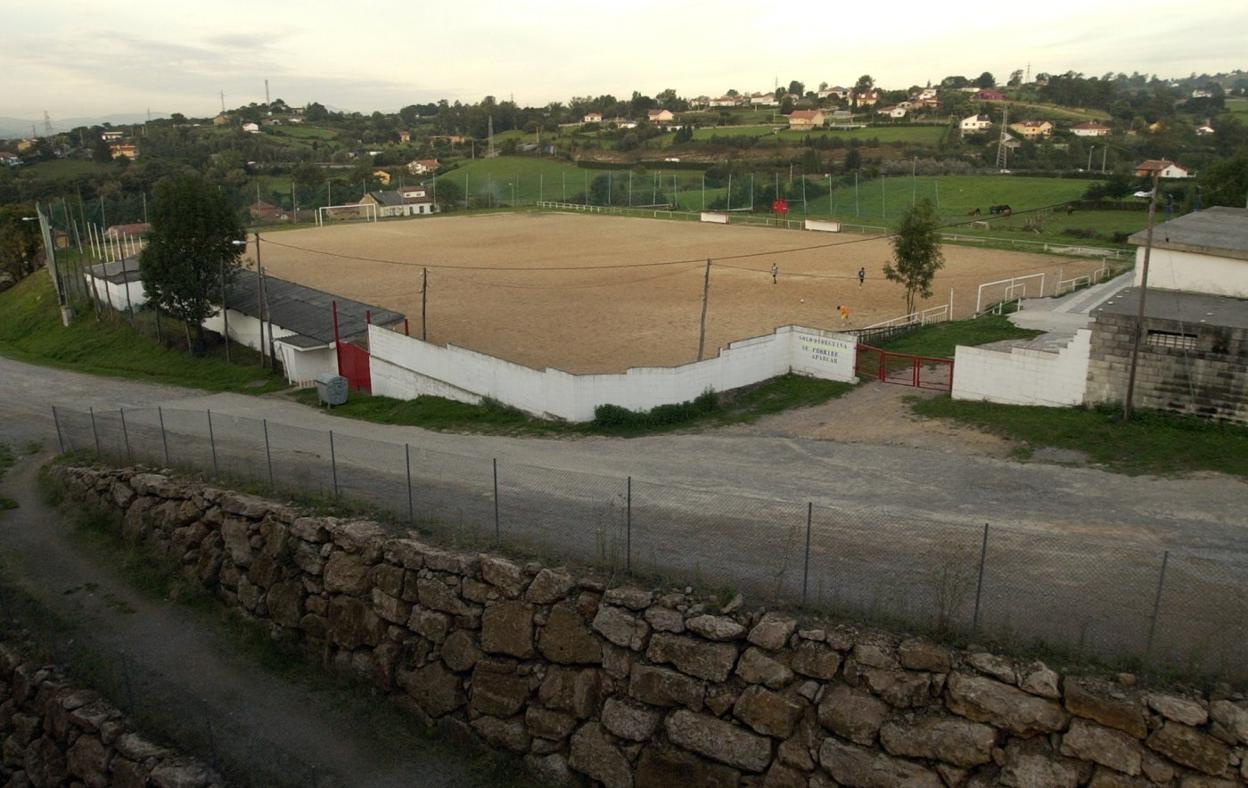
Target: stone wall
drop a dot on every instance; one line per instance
(53, 733)
(632, 686)
(1210, 380)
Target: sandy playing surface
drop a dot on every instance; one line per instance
(608, 319)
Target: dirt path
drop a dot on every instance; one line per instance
(877, 414)
(181, 670)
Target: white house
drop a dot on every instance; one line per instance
(764, 100)
(251, 128)
(592, 117)
(724, 101)
(804, 119)
(893, 112)
(1091, 128)
(1202, 252)
(975, 123)
(1204, 130)
(409, 201)
(660, 116)
(1164, 167)
(422, 166)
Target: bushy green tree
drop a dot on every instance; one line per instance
(190, 247)
(19, 240)
(1226, 182)
(916, 252)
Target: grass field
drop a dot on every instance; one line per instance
(1053, 226)
(66, 168)
(883, 200)
(524, 178)
(30, 330)
(1155, 443)
(1049, 111)
(1237, 106)
(918, 135)
(743, 406)
(941, 339)
(576, 302)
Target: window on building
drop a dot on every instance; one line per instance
(1172, 339)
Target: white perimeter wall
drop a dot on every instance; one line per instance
(405, 368)
(1197, 273)
(822, 226)
(117, 292)
(1021, 376)
(715, 218)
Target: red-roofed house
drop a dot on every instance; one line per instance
(422, 166)
(990, 95)
(660, 116)
(1164, 168)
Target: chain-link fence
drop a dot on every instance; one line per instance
(1025, 586)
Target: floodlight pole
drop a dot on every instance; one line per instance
(1128, 403)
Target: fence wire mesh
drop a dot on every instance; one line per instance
(1025, 585)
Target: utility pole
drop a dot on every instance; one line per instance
(1128, 403)
(225, 315)
(706, 290)
(1104, 153)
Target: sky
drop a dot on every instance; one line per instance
(94, 57)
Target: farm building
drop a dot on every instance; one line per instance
(127, 149)
(1032, 129)
(660, 116)
(990, 95)
(1163, 167)
(251, 128)
(1091, 128)
(298, 323)
(801, 119)
(896, 112)
(409, 201)
(592, 117)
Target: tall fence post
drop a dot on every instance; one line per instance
(164, 439)
(498, 534)
(125, 435)
(810, 515)
(979, 585)
(212, 442)
(268, 453)
(60, 439)
(411, 508)
(1161, 584)
(94, 432)
(628, 525)
(333, 462)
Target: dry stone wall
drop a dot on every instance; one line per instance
(53, 733)
(628, 686)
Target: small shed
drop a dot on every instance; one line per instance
(299, 323)
(117, 283)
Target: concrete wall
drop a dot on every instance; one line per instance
(714, 218)
(405, 368)
(117, 292)
(1196, 273)
(633, 687)
(1021, 376)
(821, 226)
(302, 367)
(1209, 380)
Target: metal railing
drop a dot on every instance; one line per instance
(946, 571)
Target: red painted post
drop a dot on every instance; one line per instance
(916, 372)
(337, 344)
(407, 329)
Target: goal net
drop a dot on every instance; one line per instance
(351, 212)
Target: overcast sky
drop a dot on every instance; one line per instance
(93, 57)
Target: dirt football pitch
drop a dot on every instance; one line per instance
(579, 309)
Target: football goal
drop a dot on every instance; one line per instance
(351, 212)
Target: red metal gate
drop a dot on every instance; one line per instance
(353, 365)
(353, 360)
(905, 369)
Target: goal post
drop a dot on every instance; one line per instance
(990, 294)
(346, 212)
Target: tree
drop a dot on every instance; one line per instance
(1226, 182)
(916, 252)
(853, 160)
(190, 245)
(448, 194)
(797, 88)
(19, 240)
(985, 80)
(101, 153)
(864, 83)
(1016, 78)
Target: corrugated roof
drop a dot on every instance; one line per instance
(1219, 231)
(118, 271)
(305, 310)
(1194, 309)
